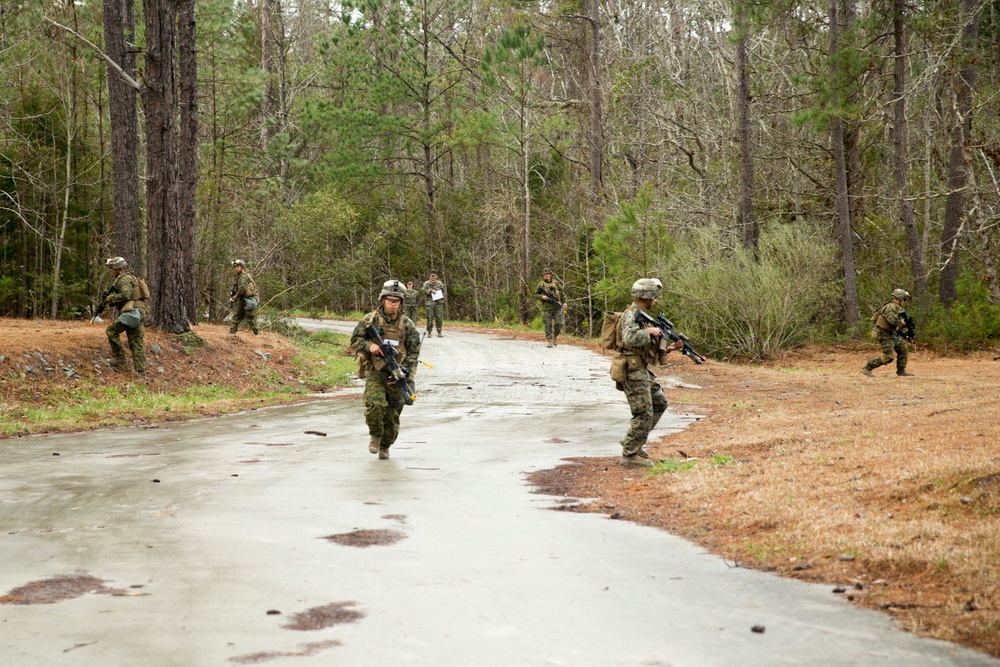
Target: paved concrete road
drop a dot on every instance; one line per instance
(199, 530)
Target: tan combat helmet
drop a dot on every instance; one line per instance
(646, 288)
(116, 263)
(239, 262)
(392, 288)
(900, 294)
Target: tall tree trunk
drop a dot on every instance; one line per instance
(748, 225)
(899, 135)
(187, 153)
(595, 130)
(954, 214)
(119, 32)
(851, 311)
(270, 106)
(167, 279)
(981, 226)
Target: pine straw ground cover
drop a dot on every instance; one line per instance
(888, 489)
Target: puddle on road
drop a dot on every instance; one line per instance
(401, 518)
(317, 618)
(311, 648)
(367, 538)
(58, 589)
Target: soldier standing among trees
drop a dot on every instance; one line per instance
(383, 397)
(888, 331)
(552, 309)
(243, 298)
(411, 301)
(640, 349)
(127, 295)
(433, 290)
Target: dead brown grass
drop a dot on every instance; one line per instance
(889, 487)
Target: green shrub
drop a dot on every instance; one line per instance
(734, 306)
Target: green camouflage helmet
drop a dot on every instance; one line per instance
(646, 288)
(116, 263)
(900, 294)
(392, 288)
(239, 262)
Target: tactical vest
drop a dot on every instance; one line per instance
(639, 357)
(390, 332)
(138, 295)
(878, 319)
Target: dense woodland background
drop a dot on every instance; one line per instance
(782, 166)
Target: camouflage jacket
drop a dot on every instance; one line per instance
(123, 289)
(636, 341)
(360, 341)
(244, 285)
(888, 319)
(430, 287)
(552, 288)
(411, 298)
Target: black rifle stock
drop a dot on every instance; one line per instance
(552, 299)
(100, 304)
(392, 364)
(910, 332)
(667, 327)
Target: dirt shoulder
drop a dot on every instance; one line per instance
(888, 489)
(48, 366)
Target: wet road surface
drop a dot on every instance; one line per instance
(246, 540)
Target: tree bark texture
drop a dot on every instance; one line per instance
(954, 214)
(270, 106)
(851, 311)
(119, 32)
(187, 153)
(596, 129)
(165, 237)
(899, 135)
(748, 225)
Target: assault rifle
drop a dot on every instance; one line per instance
(667, 327)
(100, 304)
(910, 331)
(392, 364)
(552, 298)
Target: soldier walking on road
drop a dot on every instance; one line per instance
(890, 327)
(411, 301)
(640, 349)
(243, 298)
(383, 397)
(127, 295)
(552, 308)
(433, 290)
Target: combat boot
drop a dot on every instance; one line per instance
(643, 453)
(440, 335)
(383, 452)
(634, 461)
(117, 363)
(867, 371)
(551, 344)
(904, 374)
(374, 443)
(555, 343)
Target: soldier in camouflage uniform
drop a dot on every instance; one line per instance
(244, 288)
(641, 348)
(552, 313)
(383, 398)
(126, 297)
(411, 301)
(889, 326)
(435, 309)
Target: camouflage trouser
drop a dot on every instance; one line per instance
(383, 404)
(435, 314)
(136, 337)
(412, 312)
(552, 318)
(890, 343)
(240, 313)
(647, 403)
